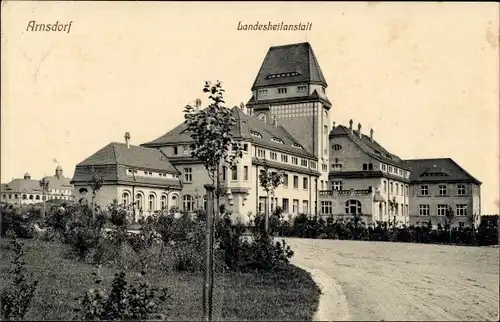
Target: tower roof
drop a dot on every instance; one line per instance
(294, 63)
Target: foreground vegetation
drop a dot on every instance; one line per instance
(82, 271)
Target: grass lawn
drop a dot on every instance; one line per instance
(287, 295)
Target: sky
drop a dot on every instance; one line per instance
(424, 76)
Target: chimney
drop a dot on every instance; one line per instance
(333, 125)
(371, 135)
(127, 139)
(275, 121)
(350, 126)
(359, 130)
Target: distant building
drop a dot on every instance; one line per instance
(138, 177)
(436, 185)
(28, 191)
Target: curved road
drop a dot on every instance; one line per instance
(398, 281)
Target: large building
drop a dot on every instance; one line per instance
(25, 190)
(329, 170)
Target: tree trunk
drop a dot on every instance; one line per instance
(93, 206)
(268, 210)
(208, 278)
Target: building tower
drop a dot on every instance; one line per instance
(59, 172)
(291, 88)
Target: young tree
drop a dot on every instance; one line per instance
(213, 144)
(95, 183)
(450, 214)
(269, 181)
(44, 185)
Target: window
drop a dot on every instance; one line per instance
(245, 173)
(424, 190)
(282, 90)
(186, 149)
(365, 166)
(337, 185)
(406, 190)
(424, 210)
(384, 167)
(37, 197)
(263, 118)
(295, 160)
(461, 224)
(390, 169)
(285, 180)
(353, 207)
(305, 183)
(461, 190)
(324, 167)
(326, 207)
(441, 210)
(286, 207)
(295, 182)
(322, 185)
(370, 166)
(295, 206)
(301, 89)
(273, 155)
(397, 188)
(284, 158)
(305, 206)
(224, 169)
(262, 204)
(262, 91)
(337, 166)
(176, 150)
(303, 162)
(125, 198)
(25, 197)
(151, 202)
(261, 153)
(442, 190)
(234, 173)
(245, 147)
(188, 174)
(391, 187)
(336, 147)
(385, 186)
(188, 203)
(312, 164)
(257, 134)
(31, 197)
(280, 141)
(163, 202)
(139, 201)
(298, 146)
(461, 210)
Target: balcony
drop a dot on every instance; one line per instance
(346, 192)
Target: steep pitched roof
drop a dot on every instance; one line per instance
(294, 63)
(245, 125)
(134, 156)
(438, 170)
(374, 149)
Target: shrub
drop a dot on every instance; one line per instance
(122, 303)
(16, 298)
(17, 221)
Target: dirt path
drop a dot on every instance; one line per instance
(395, 281)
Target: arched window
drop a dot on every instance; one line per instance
(163, 202)
(31, 197)
(262, 117)
(188, 203)
(139, 200)
(125, 198)
(24, 197)
(151, 202)
(353, 207)
(175, 201)
(37, 197)
(83, 190)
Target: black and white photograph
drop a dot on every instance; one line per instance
(250, 161)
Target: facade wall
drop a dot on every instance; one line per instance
(451, 198)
